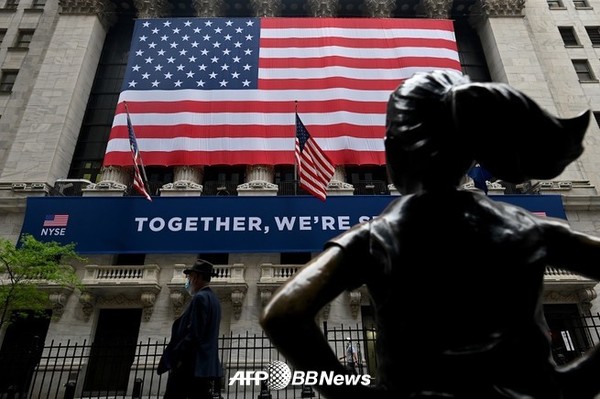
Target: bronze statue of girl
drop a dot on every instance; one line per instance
(455, 278)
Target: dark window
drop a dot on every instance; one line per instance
(287, 183)
(12, 4)
(407, 8)
(38, 3)
(7, 81)
(567, 332)
(295, 258)
(470, 52)
(368, 180)
(222, 180)
(555, 4)
(129, 259)
(594, 34)
(2, 34)
(294, 8)
(580, 4)
(24, 38)
(583, 70)
(21, 350)
(89, 170)
(157, 176)
(113, 351)
(350, 8)
(568, 35)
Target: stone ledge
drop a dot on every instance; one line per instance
(581, 202)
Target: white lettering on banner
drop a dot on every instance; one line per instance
(206, 223)
(307, 222)
(191, 224)
(53, 231)
(237, 223)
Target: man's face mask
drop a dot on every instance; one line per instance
(188, 286)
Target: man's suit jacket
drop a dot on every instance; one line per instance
(195, 337)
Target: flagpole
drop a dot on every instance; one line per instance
(141, 161)
(296, 178)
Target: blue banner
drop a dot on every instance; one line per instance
(214, 224)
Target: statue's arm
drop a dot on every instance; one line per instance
(289, 317)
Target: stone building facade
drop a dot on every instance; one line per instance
(54, 53)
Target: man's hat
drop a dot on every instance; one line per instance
(201, 266)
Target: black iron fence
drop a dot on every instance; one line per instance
(67, 370)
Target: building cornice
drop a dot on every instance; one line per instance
(104, 9)
(151, 8)
(13, 204)
(437, 8)
(581, 202)
(380, 8)
(209, 8)
(502, 8)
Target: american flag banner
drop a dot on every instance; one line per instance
(56, 221)
(139, 174)
(315, 170)
(222, 91)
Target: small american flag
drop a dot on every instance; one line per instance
(139, 174)
(56, 220)
(315, 170)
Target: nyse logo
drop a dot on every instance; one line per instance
(55, 225)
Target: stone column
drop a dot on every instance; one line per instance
(186, 181)
(437, 8)
(151, 8)
(209, 8)
(380, 8)
(115, 179)
(113, 183)
(338, 185)
(259, 178)
(323, 8)
(266, 8)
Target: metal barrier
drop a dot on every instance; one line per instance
(68, 370)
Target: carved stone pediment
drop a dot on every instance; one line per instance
(272, 276)
(58, 297)
(562, 286)
(120, 285)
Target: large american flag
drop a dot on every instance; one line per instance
(208, 91)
